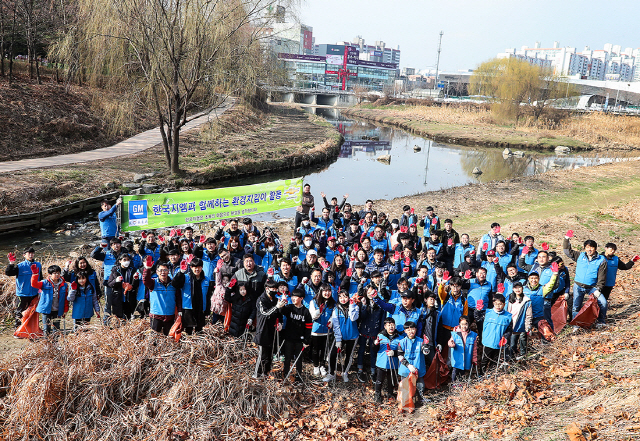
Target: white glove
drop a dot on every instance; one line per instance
(412, 368)
(339, 344)
(119, 279)
(279, 327)
(180, 314)
(249, 322)
(596, 293)
(281, 304)
(566, 296)
(390, 353)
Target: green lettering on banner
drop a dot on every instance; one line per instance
(161, 210)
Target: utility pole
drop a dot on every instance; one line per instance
(435, 85)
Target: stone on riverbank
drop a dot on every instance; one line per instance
(386, 159)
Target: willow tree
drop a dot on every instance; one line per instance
(177, 55)
(515, 85)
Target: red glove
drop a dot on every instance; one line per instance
(293, 239)
(337, 209)
(340, 249)
(361, 222)
(203, 238)
(503, 342)
(11, 257)
(472, 252)
(34, 269)
(545, 246)
(149, 261)
(485, 246)
(554, 267)
(371, 234)
(183, 266)
(74, 285)
(178, 232)
(406, 269)
(480, 305)
(636, 258)
(434, 221)
(136, 275)
(525, 250)
(419, 280)
(223, 223)
(232, 283)
(520, 240)
(349, 272)
(305, 280)
(396, 255)
(354, 299)
(404, 229)
(270, 272)
(497, 229)
(220, 263)
(325, 264)
(450, 242)
(413, 211)
(467, 274)
(172, 233)
(161, 239)
(190, 258)
(569, 233)
(355, 247)
(446, 276)
(144, 234)
(500, 288)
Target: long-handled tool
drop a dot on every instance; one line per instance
(245, 336)
(255, 374)
(293, 365)
(391, 366)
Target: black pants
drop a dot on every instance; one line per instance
(381, 375)
(78, 323)
(346, 355)
(48, 319)
(193, 320)
(161, 325)
(291, 351)
(298, 221)
(23, 303)
(606, 292)
(264, 363)
(442, 339)
(113, 304)
(489, 356)
(318, 349)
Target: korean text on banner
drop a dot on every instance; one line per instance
(161, 210)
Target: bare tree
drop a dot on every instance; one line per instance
(178, 55)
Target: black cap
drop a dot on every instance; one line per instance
(406, 208)
(376, 274)
(246, 220)
(173, 252)
(360, 265)
(29, 250)
(395, 221)
(429, 208)
(407, 294)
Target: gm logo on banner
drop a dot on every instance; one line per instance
(138, 213)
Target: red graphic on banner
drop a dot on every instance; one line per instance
(344, 73)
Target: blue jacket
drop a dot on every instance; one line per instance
(519, 322)
(209, 264)
(451, 312)
(162, 299)
(492, 274)
(22, 271)
(401, 315)
(612, 271)
(84, 301)
(495, 326)
(108, 258)
(477, 292)
(460, 251)
(537, 300)
(382, 244)
(382, 360)
(45, 304)
(587, 270)
(322, 318)
(186, 292)
(461, 355)
(345, 327)
(412, 352)
(292, 283)
(108, 222)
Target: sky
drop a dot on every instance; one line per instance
(474, 30)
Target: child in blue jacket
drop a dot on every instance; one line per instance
(411, 355)
(387, 359)
(462, 346)
(53, 296)
(84, 299)
(495, 332)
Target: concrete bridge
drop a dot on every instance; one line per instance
(310, 97)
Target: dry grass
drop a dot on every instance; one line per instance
(604, 130)
(463, 115)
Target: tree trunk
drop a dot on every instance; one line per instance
(13, 38)
(175, 166)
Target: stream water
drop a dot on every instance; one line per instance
(416, 165)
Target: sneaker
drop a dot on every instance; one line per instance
(323, 371)
(345, 377)
(362, 377)
(575, 329)
(256, 376)
(327, 378)
(316, 371)
(601, 325)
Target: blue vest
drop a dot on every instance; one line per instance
(522, 316)
(83, 303)
(537, 300)
(108, 222)
(382, 244)
(435, 247)
(93, 279)
(462, 355)
(477, 292)
(162, 299)
(402, 316)
(427, 225)
(508, 285)
(227, 236)
(348, 328)
(495, 325)
(382, 359)
(612, 271)
(147, 252)
(504, 261)
(320, 324)
(324, 225)
(451, 312)
(187, 303)
(208, 265)
(587, 270)
(413, 353)
(460, 251)
(309, 295)
(290, 283)
(142, 290)
(330, 254)
(492, 275)
(23, 279)
(46, 298)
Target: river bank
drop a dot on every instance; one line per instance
(241, 142)
(475, 126)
